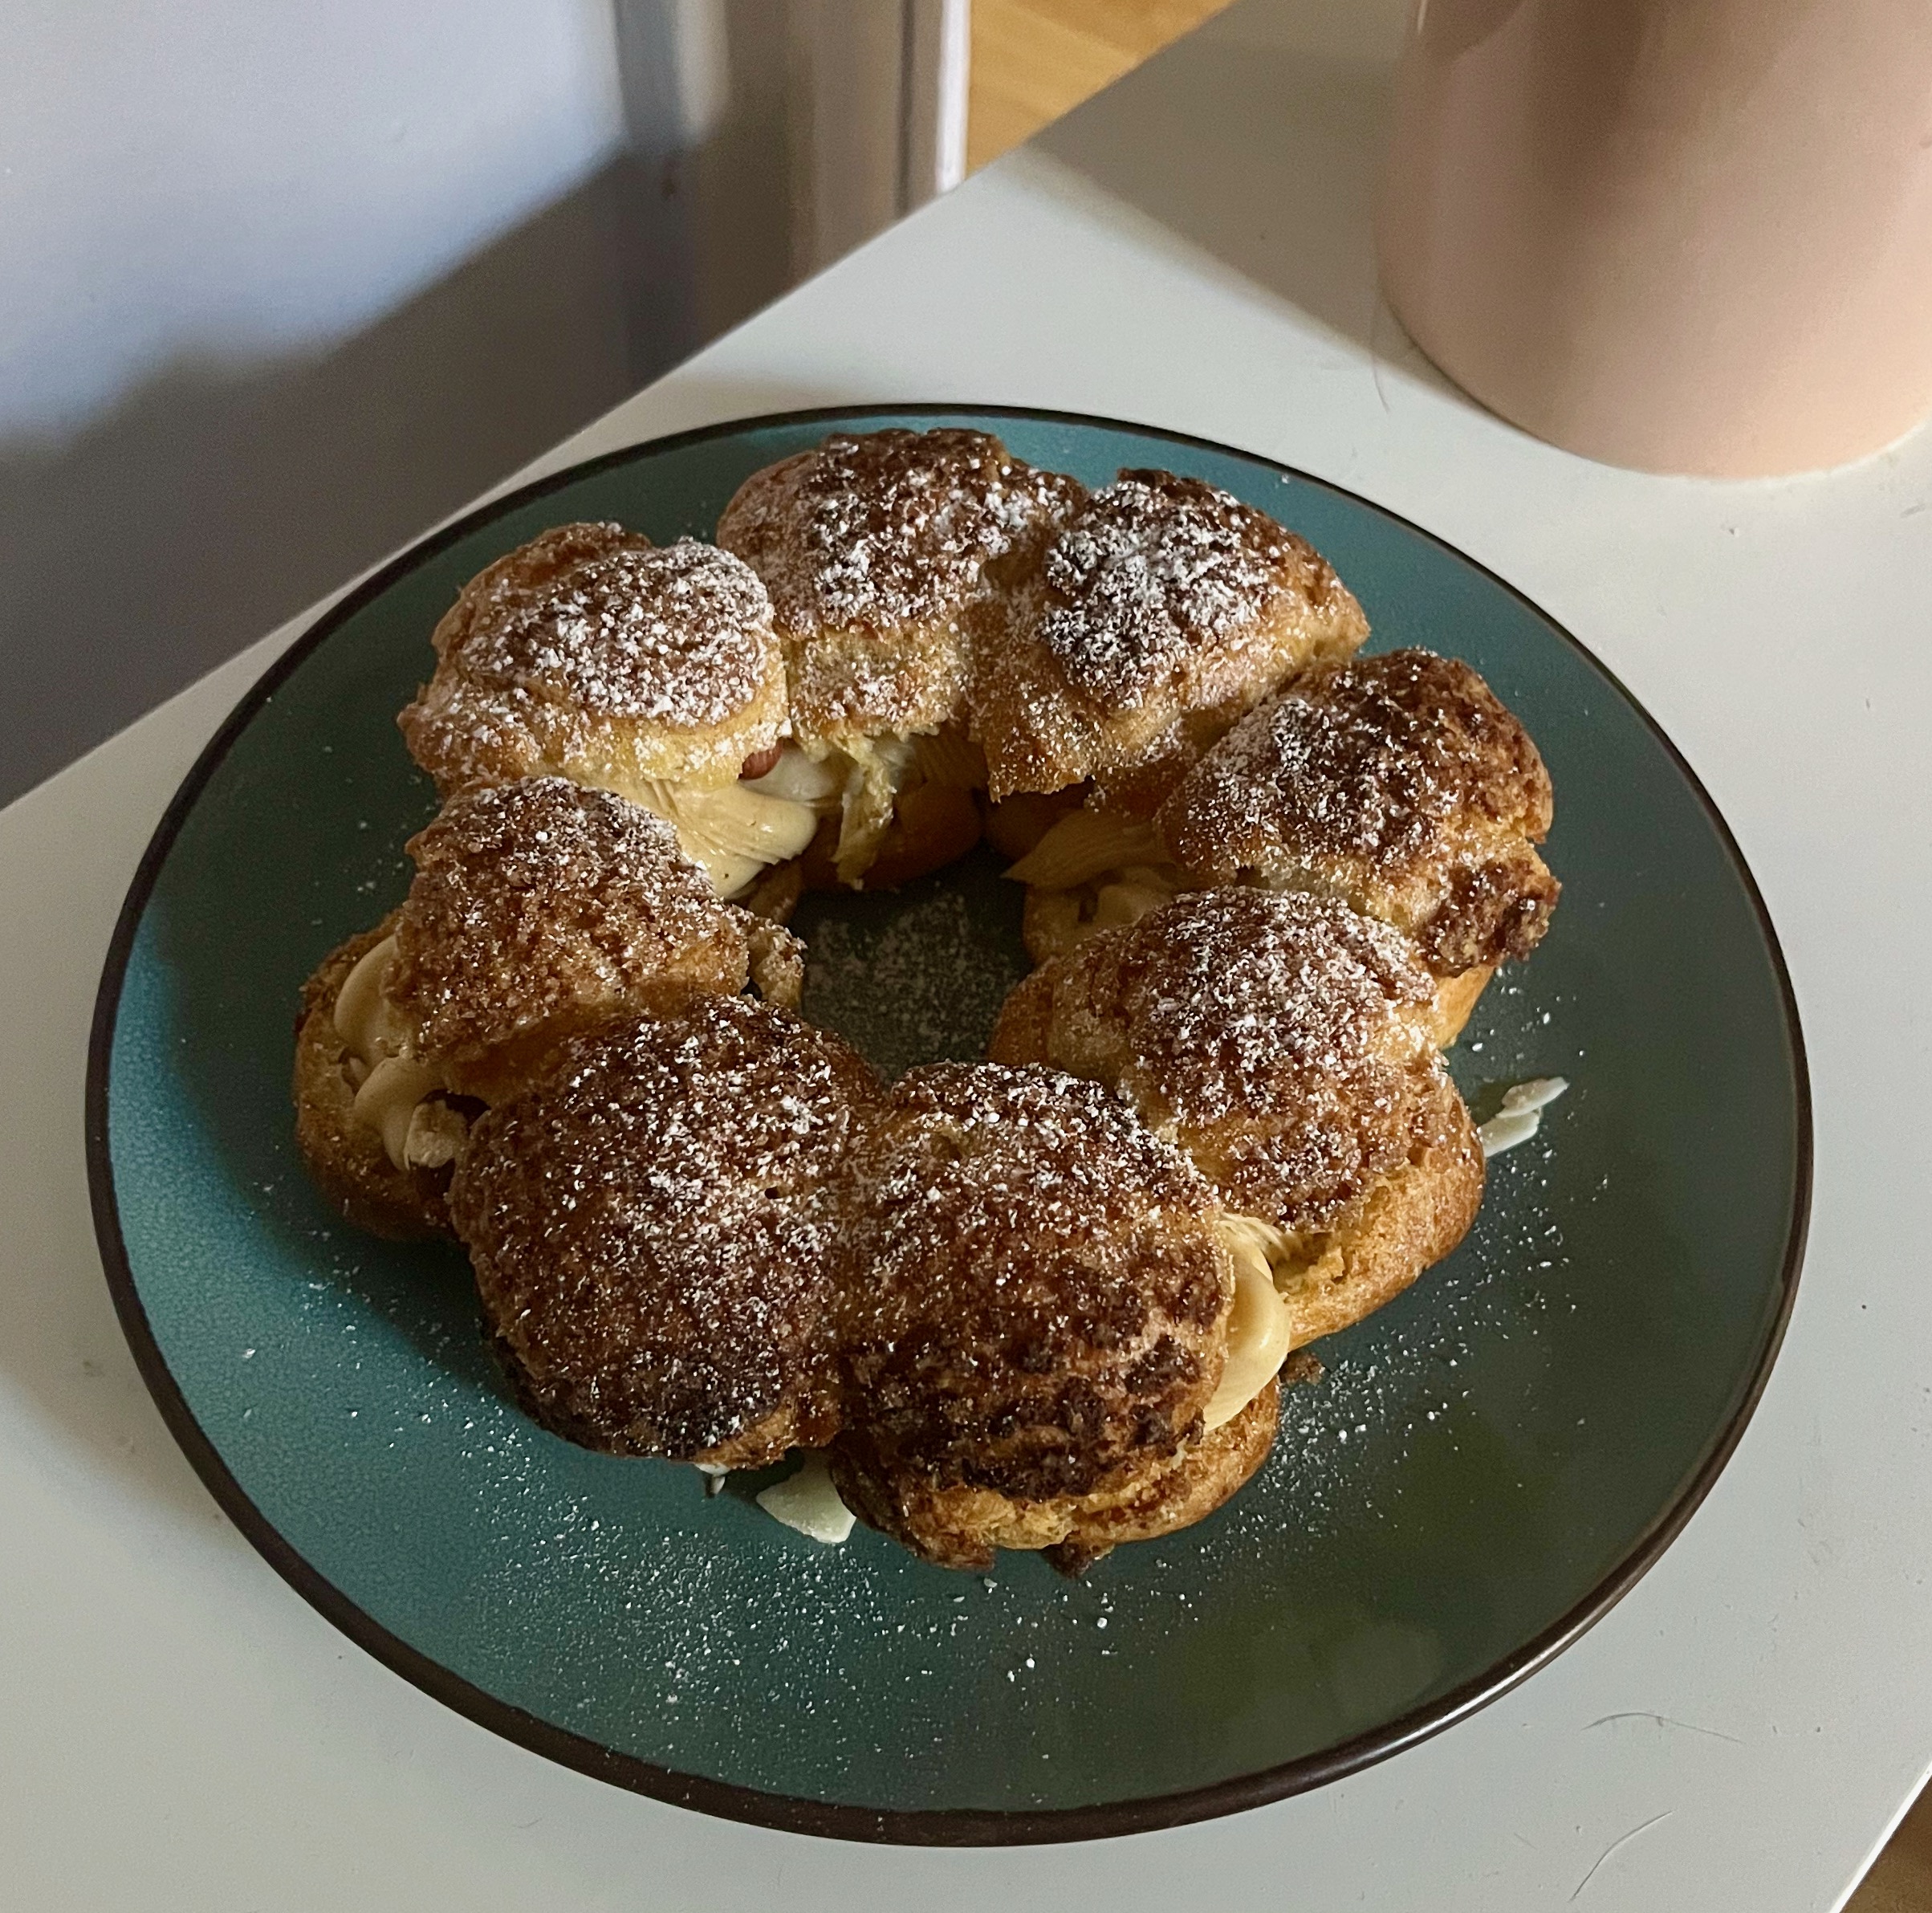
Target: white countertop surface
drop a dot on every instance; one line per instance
(1190, 250)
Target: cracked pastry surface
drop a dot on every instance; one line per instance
(592, 653)
(957, 1525)
(1161, 611)
(1286, 1044)
(1038, 1303)
(872, 546)
(654, 1234)
(538, 909)
(1399, 782)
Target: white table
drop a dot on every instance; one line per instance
(181, 1731)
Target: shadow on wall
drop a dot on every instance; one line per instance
(211, 504)
(215, 501)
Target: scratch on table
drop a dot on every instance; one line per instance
(1624, 1841)
(1375, 350)
(1689, 1727)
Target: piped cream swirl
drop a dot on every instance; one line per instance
(390, 1082)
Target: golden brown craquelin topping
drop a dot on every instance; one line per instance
(875, 550)
(1281, 1039)
(1157, 573)
(1401, 781)
(590, 650)
(538, 906)
(887, 528)
(652, 1233)
(1161, 611)
(1038, 1297)
(599, 617)
(956, 1526)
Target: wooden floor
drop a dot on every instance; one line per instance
(1035, 59)
(1900, 1879)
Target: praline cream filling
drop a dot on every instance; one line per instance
(876, 770)
(391, 1085)
(735, 832)
(1261, 1325)
(1130, 894)
(879, 771)
(1084, 846)
(732, 831)
(1114, 868)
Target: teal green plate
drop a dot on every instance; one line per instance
(1490, 1462)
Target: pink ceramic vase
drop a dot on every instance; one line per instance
(1684, 235)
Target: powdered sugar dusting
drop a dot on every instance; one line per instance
(534, 897)
(1239, 998)
(1282, 1038)
(1040, 1290)
(918, 977)
(1153, 568)
(1378, 759)
(651, 1227)
(887, 528)
(678, 634)
(1039, 1140)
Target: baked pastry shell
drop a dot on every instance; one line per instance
(958, 1526)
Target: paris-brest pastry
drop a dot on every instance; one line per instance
(1044, 1301)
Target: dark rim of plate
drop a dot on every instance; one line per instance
(937, 1827)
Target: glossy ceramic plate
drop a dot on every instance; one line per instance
(1490, 1462)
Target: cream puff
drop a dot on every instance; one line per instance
(654, 1227)
(1400, 783)
(1037, 1323)
(1160, 612)
(1287, 1045)
(538, 909)
(878, 549)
